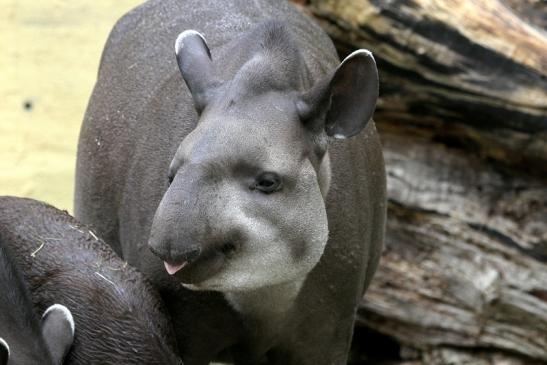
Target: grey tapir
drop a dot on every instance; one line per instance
(24, 339)
(119, 316)
(233, 187)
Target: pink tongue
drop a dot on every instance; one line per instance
(172, 269)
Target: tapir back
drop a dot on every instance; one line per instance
(118, 315)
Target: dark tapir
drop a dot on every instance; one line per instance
(119, 317)
(24, 339)
(236, 178)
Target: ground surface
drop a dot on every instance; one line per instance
(50, 52)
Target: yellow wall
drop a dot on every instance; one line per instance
(49, 55)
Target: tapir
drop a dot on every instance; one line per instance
(228, 154)
(119, 316)
(24, 338)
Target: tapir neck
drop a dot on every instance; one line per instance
(266, 305)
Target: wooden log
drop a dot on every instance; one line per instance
(465, 262)
(442, 356)
(474, 72)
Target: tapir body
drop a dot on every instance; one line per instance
(234, 176)
(24, 339)
(119, 316)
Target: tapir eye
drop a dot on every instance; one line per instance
(267, 182)
(170, 178)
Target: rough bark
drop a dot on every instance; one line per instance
(463, 119)
(465, 258)
(472, 70)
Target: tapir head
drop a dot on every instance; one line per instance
(246, 203)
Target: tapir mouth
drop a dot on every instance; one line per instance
(196, 271)
(172, 269)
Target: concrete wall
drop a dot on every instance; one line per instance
(49, 55)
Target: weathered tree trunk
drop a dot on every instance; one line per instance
(470, 70)
(463, 119)
(464, 263)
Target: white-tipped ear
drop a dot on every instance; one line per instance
(195, 64)
(58, 331)
(343, 103)
(179, 43)
(4, 352)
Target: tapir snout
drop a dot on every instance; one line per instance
(190, 234)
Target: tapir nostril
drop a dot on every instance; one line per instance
(189, 255)
(228, 248)
(154, 250)
(175, 255)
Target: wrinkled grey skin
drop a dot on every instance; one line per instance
(119, 317)
(25, 339)
(252, 289)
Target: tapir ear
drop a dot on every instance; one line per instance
(58, 331)
(343, 102)
(196, 66)
(4, 352)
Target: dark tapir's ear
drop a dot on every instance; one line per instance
(343, 102)
(58, 331)
(196, 66)
(4, 352)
